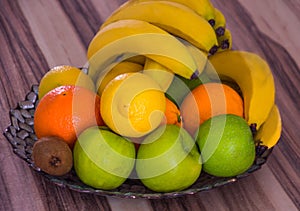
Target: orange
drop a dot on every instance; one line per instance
(208, 100)
(64, 75)
(132, 104)
(172, 114)
(66, 111)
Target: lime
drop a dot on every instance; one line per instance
(226, 144)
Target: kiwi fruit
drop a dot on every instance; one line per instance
(52, 155)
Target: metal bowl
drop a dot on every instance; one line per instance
(20, 134)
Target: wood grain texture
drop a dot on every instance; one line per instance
(285, 31)
(36, 35)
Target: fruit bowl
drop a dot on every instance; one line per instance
(20, 134)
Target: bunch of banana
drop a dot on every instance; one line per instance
(254, 77)
(191, 21)
(124, 39)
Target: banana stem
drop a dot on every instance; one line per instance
(212, 22)
(213, 50)
(225, 44)
(220, 31)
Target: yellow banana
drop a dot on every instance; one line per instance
(172, 54)
(204, 8)
(137, 59)
(225, 41)
(175, 18)
(120, 68)
(199, 56)
(253, 76)
(161, 74)
(220, 23)
(117, 30)
(270, 131)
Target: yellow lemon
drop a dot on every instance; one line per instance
(64, 75)
(133, 104)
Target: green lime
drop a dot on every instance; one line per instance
(226, 144)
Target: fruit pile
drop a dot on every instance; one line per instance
(164, 98)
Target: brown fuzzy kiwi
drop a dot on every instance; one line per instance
(52, 155)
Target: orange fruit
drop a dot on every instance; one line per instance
(172, 114)
(208, 100)
(64, 75)
(133, 104)
(66, 111)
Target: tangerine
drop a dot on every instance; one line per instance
(172, 114)
(66, 111)
(208, 100)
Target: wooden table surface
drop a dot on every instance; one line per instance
(38, 34)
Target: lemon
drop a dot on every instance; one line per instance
(132, 104)
(226, 144)
(64, 75)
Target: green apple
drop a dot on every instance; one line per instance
(103, 159)
(226, 144)
(168, 160)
